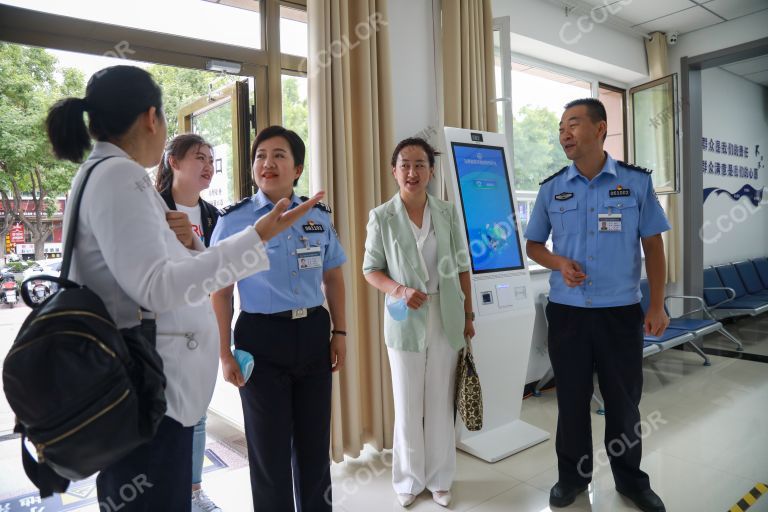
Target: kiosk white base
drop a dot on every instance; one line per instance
(501, 349)
(503, 441)
(481, 185)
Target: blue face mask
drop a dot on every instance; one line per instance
(245, 361)
(398, 309)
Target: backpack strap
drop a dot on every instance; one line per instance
(148, 327)
(40, 474)
(69, 243)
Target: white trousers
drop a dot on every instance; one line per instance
(424, 452)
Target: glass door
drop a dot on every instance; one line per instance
(655, 132)
(223, 118)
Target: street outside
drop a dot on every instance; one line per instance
(10, 322)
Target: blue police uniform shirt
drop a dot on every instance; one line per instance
(582, 217)
(285, 285)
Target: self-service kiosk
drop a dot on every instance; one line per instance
(479, 171)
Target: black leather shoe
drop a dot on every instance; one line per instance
(562, 494)
(647, 500)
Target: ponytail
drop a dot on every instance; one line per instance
(66, 129)
(164, 175)
(114, 99)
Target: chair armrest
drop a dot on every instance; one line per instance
(727, 290)
(700, 300)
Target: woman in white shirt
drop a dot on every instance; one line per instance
(126, 253)
(185, 170)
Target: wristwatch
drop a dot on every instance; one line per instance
(469, 315)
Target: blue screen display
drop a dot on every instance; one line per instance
(486, 198)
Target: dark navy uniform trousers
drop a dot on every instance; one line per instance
(610, 341)
(287, 410)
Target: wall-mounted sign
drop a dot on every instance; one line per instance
(733, 161)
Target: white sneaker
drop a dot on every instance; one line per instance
(406, 499)
(442, 498)
(202, 503)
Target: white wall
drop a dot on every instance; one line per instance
(412, 53)
(736, 111)
(535, 25)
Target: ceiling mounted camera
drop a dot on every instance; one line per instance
(672, 37)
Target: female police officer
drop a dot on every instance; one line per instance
(283, 324)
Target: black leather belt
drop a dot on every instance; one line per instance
(293, 314)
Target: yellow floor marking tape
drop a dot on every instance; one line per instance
(750, 498)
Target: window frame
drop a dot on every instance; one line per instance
(625, 110)
(672, 111)
(507, 57)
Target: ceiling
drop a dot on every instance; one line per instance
(680, 16)
(754, 70)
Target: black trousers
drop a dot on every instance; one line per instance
(155, 476)
(287, 410)
(610, 341)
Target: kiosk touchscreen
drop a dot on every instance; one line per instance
(482, 188)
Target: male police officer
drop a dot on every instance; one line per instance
(597, 209)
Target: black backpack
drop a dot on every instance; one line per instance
(84, 392)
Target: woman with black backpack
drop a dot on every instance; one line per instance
(126, 253)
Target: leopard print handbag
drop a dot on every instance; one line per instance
(469, 395)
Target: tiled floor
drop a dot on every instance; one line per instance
(752, 334)
(708, 448)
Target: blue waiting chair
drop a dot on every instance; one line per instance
(761, 265)
(681, 332)
(751, 279)
(699, 326)
(730, 278)
(723, 301)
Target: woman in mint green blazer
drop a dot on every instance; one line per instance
(416, 254)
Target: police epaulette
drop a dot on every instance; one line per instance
(232, 207)
(634, 167)
(322, 206)
(558, 173)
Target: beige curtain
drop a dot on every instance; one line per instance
(468, 66)
(351, 138)
(658, 67)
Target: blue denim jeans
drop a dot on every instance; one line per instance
(198, 450)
